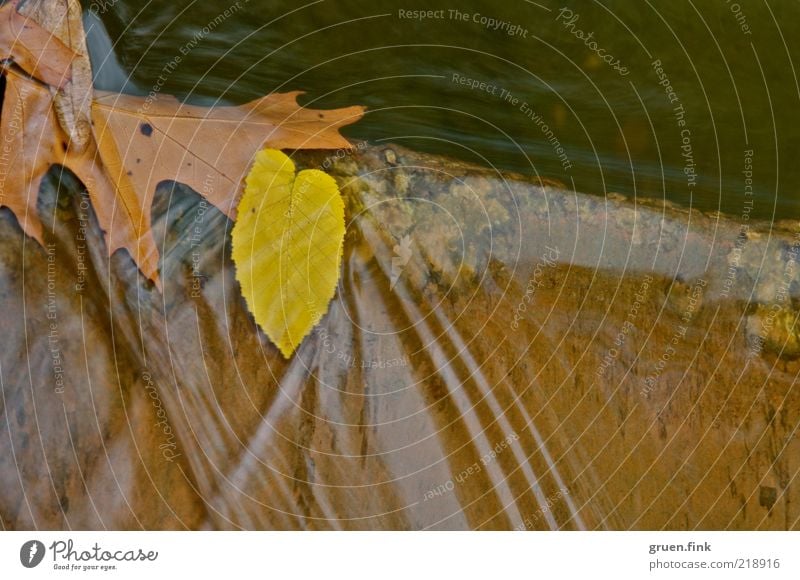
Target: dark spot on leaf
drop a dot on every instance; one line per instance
(64, 145)
(138, 160)
(320, 115)
(130, 173)
(146, 129)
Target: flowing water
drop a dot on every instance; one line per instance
(499, 354)
(570, 93)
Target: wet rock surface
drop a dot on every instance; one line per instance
(501, 354)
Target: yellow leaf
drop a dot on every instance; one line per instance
(287, 246)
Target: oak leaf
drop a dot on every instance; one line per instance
(33, 48)
(287, 247)
(33, 141)
(137, 143)
(144, 141)
(72, 99)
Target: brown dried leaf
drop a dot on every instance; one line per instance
(33, 141)
(210, 150)
(33, 48)
(73, 101)
(131, 143)
(139, 143)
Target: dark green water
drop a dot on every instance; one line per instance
(730, 68)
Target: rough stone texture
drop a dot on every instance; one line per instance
(543, 359)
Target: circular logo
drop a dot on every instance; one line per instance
(31, 553)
